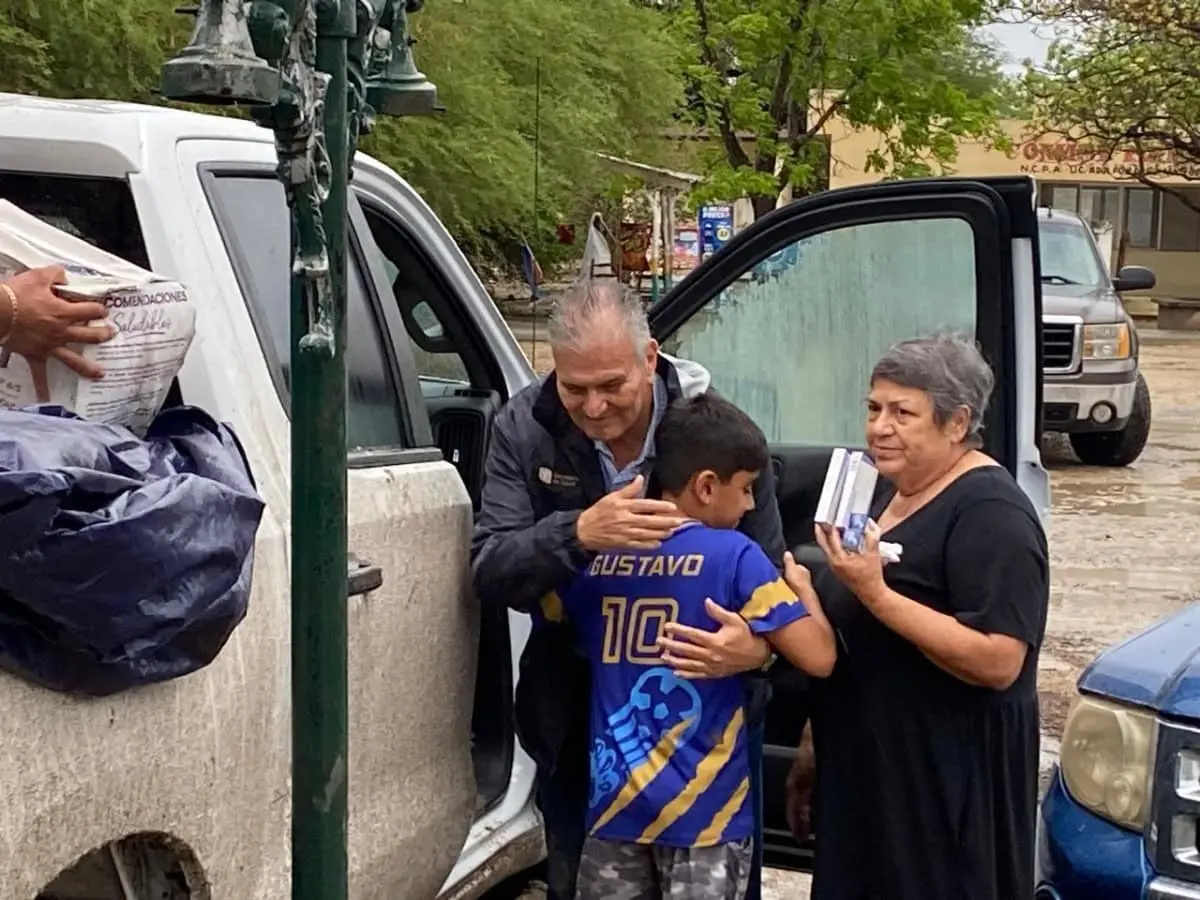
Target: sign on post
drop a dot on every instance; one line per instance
(716, 228)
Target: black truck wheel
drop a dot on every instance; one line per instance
(1118, 448)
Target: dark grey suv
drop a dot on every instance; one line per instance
(1092, 388)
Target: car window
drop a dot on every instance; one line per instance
(426, 319)
(98, 210)
(793, 341)
(253, 217)
(1068, 254)
(417, 293)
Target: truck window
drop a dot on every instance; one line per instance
(100, 211)
(252, 214)
(793, 340)
(1068, 253)
(422, 301)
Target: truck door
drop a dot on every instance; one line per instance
(791, 316)
(411, 622)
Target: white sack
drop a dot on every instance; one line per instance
(153, 316)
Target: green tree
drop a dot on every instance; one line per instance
(765, 76)
(1125, 83)
(975, 64)
(107, 49)
(609, 82)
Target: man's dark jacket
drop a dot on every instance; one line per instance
(541, 472)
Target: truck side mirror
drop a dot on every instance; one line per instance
(1134, 278)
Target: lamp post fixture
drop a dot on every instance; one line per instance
(315, 72)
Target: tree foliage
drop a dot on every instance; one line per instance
(609, 82)
(975, 64)
(765, 76)
(112, 49)
(1125, 84)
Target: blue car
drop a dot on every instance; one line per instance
(1121, 819)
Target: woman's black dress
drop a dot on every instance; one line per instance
(927, 786)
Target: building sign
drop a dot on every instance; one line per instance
(1068, 157)
(716, 228)
(685, 254)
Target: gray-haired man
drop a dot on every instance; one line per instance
(566, 477)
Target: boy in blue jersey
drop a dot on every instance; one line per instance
(669, 813)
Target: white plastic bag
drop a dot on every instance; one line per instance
(154, 320)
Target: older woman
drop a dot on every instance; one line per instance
(38, 324)
(926, 734)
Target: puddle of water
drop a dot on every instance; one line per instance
(1143, 509)
(1108, 596)
(1080, 577)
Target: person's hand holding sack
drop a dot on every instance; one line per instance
(38, 324)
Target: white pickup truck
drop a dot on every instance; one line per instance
(182, 790)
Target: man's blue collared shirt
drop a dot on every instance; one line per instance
(615, 478)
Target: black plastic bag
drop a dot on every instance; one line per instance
(123, 561)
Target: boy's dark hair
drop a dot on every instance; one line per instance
(706, 432)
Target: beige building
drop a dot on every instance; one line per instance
(1154, 229)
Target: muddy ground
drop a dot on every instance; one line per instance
(1120, 539)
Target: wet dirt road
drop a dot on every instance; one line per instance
(1120, 539)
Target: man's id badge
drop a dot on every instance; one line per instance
(549, 477)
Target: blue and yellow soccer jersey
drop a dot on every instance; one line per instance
(668, 756)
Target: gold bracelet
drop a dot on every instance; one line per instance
(16, 310)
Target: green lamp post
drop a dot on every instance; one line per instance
(314, 72)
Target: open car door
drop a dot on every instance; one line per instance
(791, 316)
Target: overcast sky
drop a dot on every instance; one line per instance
(1022, 42)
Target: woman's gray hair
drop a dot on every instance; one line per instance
(575, 314)
(947, 367)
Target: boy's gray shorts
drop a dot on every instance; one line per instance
(614, 870)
